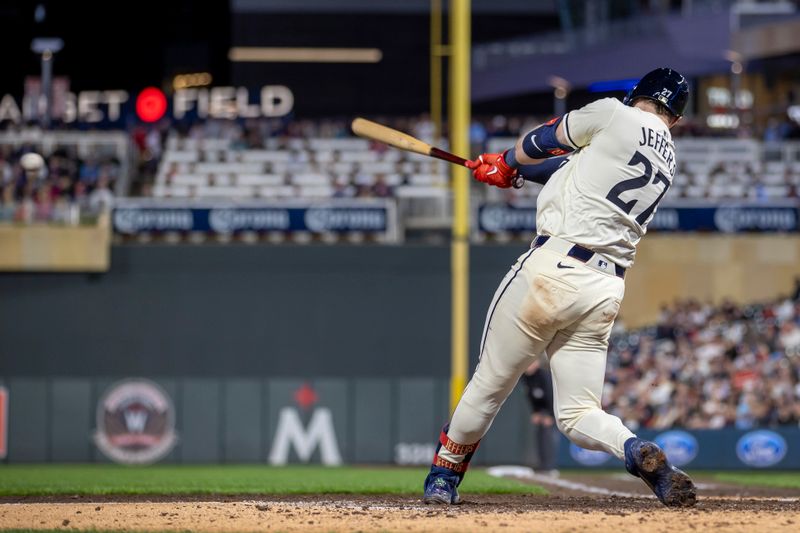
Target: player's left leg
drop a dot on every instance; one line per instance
(529, 306)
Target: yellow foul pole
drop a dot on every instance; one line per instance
(459, 117)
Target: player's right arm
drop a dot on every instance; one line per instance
(526, 157)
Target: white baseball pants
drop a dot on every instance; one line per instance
(551, 304)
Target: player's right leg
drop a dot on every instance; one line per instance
(578, 361)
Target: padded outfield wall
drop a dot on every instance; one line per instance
(254, 346)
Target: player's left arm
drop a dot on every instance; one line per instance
(541, 172)
(557, 137)
(562, 135)
(540, 144)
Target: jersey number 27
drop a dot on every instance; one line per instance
(638, 183)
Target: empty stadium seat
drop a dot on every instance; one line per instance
(245, 180)
(279, 191)
(341, 168)
(695, 191)
(311, 179)
(229, 168)
(182, 156)
(222, 180)
(189, 179)
(775, 167)
(171, 191)
(377, 168)
(316, 191)
(350, 145)
(436, 180)
(325, 156)
(358, 157)
(264, 156)
(225, 192)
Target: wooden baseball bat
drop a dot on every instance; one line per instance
(378, 132)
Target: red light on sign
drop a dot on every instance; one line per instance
(151, 104)
(305, 396)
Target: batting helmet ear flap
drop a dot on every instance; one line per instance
(662, 85)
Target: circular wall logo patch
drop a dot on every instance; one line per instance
(761, 448)
(588, 457)
(681, 447)
(135, 422)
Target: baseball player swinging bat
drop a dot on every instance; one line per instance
(378, 132)
(612, 163)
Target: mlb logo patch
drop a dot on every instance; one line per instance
(602, 264)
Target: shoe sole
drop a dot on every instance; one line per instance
(439, 500)
(435, 500)
(682, 492)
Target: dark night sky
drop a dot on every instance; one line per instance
(110, 45)
(130, 45)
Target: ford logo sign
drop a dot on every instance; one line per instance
(681, 447)
(588, 457)
(761, 448)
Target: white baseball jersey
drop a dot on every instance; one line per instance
(608, 190)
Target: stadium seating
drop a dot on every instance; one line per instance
(709, 169)
(312, 168)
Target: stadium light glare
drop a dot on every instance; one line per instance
(185, 81)
(262, 54)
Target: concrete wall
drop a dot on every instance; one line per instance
(744, 268)
(360, 311)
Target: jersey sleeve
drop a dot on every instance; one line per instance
(582, 124)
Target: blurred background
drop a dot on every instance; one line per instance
(207, 266)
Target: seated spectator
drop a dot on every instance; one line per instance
(380, 189)
(101, 198)
(708, 367)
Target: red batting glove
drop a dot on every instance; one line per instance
(493, 169)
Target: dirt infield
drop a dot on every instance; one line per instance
(617, 504)
(347, 513)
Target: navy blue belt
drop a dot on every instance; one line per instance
(578, 252)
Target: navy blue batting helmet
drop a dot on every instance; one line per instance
(664, 86)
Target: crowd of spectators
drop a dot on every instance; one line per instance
(709, 367)
(64, 189)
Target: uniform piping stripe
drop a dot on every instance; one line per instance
(497, 301)
(566, 130)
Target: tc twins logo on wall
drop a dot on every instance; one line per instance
(291, 434)
(135, 422)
